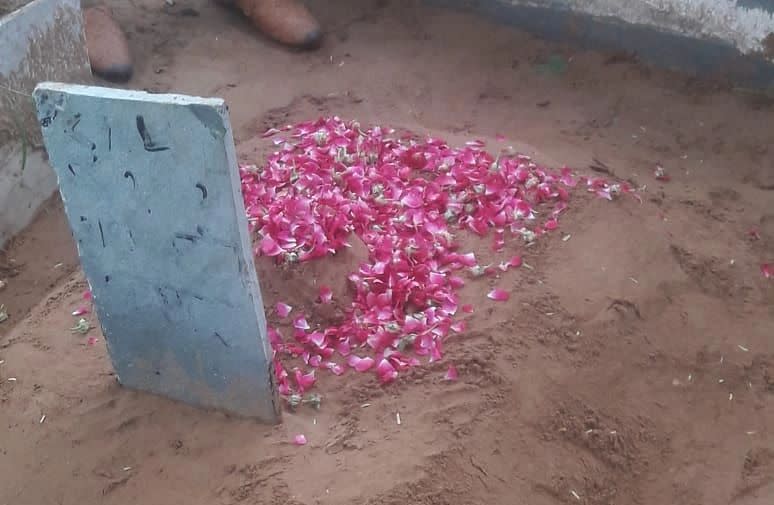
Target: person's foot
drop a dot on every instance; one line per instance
(107, 46)
(286, 21)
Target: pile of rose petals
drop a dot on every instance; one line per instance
(405, 198)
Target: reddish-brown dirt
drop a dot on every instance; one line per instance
(634, 363)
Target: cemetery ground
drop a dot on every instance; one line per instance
(633, 362)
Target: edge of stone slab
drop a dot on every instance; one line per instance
(704, 57)
(125, 94)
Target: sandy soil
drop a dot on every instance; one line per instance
(634, 364)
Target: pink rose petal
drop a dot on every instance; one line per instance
(360, 364)
(92, 340)
(499, 295)
(317, 338)
(459, 326)
(87, 295)
(335, 368)
(80, 311)
(300, 323)
(467, 308)
(326, 295)
(304, 381)
(299, 439)
(468, 259)
(282, 309)
(386, 372)
(767, 270)
(451, 374)
(270, 247)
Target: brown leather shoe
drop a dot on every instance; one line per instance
(286, 21)
(107, 45)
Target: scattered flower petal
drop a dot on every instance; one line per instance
(499, 295)
(331, 181)
(386, 372)
(451, 374)
(326, 294)
(80, 311)
(299, 439)
(767, 269)
(300, 323)
(282, 309)
(360, 364)
(660, 174)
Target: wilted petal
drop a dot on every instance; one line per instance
(299, 439)
(451, 374)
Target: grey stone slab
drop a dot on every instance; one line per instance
(151, 189)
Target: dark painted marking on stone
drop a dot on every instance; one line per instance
(164, 299)
(94, 159)
(129, 175)
(101, 233)
(200, 230)
(222, 340)
(186, 236)
(147, 141)
(107, 279)
(83, 219)
(210, 119)
(110, 139)
(70, 168)
(77, 122)
(203, 189)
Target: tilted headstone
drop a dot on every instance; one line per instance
(151, 189)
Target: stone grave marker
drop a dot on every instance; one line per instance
(152, 192)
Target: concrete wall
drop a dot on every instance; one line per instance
(729, 39)
(743, 25)
(41, 41)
